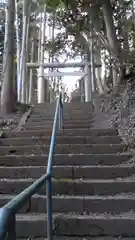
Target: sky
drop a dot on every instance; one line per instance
(70, 81)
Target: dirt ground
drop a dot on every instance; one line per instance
(11, 121)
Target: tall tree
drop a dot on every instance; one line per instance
(7, 95)
(110, 28)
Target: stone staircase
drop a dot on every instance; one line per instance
(93, 183)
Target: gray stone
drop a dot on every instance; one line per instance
(76, 225)
(65, 159)
(93, 194)
(78, 132)
(68, 172)
(68, 186)
(65, 148)
(60, 140)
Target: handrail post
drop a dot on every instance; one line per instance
(49, 207)
(8, 224)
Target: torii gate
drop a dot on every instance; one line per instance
(86, 74)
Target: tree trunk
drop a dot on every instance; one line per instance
(18, 46)
(25, 72)
(124, 24)
(52, 79)
(24, 50)
(41, 83)
(98, 71)
(39, 39)
(87, 82)
(31, 72)
(115, 76)
(7, 95)
(104, 80)
(91, 43)
(110, 29)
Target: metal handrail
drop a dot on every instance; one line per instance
(8, 212)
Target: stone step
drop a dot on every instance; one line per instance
(81, 117)
(63, 148)
(73, 132)
(82, 238)
(76, 225)
(66, 120)
(72, 105)
(88, 238)
(66, 159)
(61, 140)
(66, 109)
(69, 122)
(78, 108)
(66, 114)
(49, 126)
(68, 172)
(73, 187)
(78, 204)
(94, 190)
(66, 117)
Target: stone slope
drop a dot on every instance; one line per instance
(93, 189)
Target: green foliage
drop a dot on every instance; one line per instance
(74, 17)
(51, 4)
